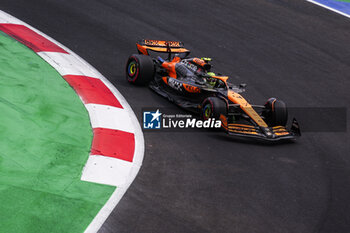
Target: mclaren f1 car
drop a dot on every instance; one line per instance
(190, 83)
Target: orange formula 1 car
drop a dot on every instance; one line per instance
(190, 83)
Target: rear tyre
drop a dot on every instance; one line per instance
(139, 69)
(276, 112)
(213, 107)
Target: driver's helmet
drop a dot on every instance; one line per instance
(210, 79)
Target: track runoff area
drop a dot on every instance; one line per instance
(55, 140)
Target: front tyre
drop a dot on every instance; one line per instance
(276, 112)
(139, 69)
(213, 107)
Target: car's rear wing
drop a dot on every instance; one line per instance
(161, 46)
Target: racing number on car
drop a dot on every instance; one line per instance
(175, 84)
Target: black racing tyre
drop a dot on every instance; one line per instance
(276, 112)
(213, 107)
(139, 69)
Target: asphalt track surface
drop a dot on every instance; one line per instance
(205, 182)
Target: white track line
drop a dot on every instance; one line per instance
(329, 8)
